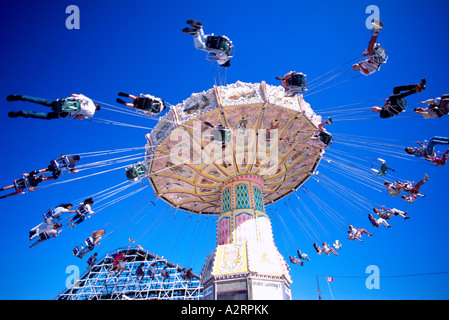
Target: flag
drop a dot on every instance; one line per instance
(329, 279)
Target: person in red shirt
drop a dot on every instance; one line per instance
(438, 161)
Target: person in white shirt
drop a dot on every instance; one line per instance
(325, 249)
(83, 210)
(87, 106)
(436, 108)
(152, 270)
(356, 233)
(165, 273)
(387, 213)
(46, 233)
(394, 189)
(378, 222)
(77, 106)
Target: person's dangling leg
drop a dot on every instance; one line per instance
(33, 114)
(417, 186)
(363, 231)
(404, 91)
(409, 89)
(199, 40)
(438, 140)
(371, 43)
(384, 222)
(41, 101)
(36, 243)
(400, 213)
(377, 26)
(430, 149)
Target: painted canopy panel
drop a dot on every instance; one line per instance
(269, 136)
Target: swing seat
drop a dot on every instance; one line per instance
(221, 43)
(90, 245)
(150, 105)
(21, 184)
(60, 165)
(380, 57)
(297, 83)
(443, 107)
(401, 103)
(324, 140)
(48, 215)
(81, 210)
(135, 171)
(69, 105)
(378, 172)
(43, 236)
(76, 251)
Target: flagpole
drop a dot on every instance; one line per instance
(318, 285)
(330, 289)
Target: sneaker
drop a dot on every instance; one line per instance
(329, 120)
(377, 25)
(13, 114)
(122, 94)
(13, 97)
(280, 78)
(422, 86)
(426, 177)
(191, 31)
(120, 101)
(194, 23)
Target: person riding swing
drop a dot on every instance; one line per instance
(144, 102)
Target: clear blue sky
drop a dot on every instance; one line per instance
(138, 47)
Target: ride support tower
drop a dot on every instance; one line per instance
(231, 151)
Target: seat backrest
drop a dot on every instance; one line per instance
(381, 52)
(68, 105)
(81, 210)
(221, 43)
(148, 104)
(325, 137)
(443, 107)
(297, 79)
(135, 171)
(75, 251)
(89, 241)
(401, 103)
(49, 213)
(60, 163)
(21, 184)
(43, 236)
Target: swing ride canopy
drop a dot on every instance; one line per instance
(267, 136)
